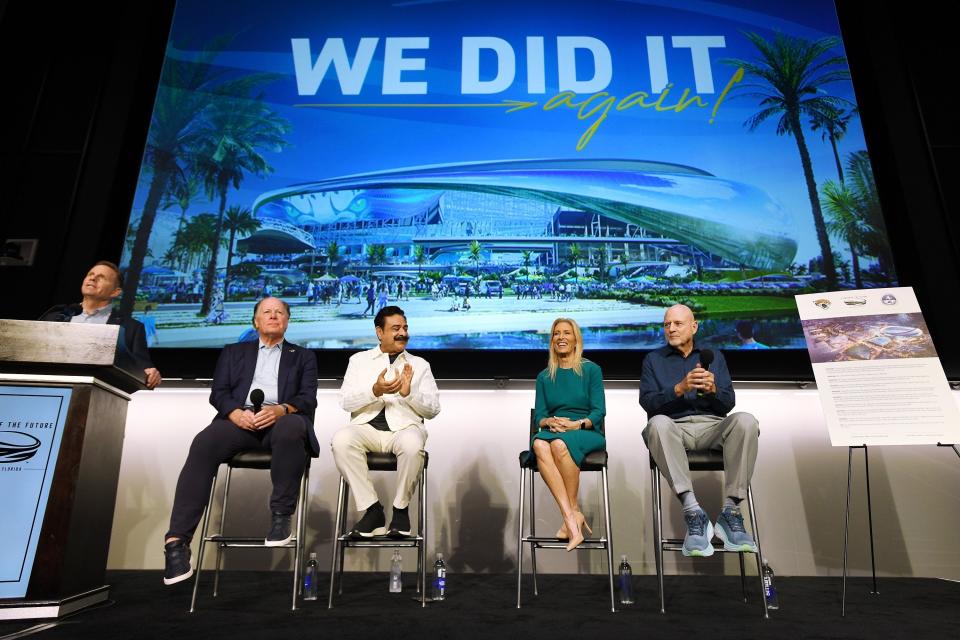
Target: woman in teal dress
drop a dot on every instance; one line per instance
(569, 412)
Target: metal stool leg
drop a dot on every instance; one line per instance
(343, 531)
(523, 489)
(533, 532)
(223, 526)
(609, 532)
(337, 524)
(743, 577)
(658, 533)
(302, 533)
(298, 547)
(422, 556)
(756, 537)
(203, 535)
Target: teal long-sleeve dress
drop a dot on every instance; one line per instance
(575, 397)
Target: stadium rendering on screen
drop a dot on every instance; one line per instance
(490, 166)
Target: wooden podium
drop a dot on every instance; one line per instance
(75, 378)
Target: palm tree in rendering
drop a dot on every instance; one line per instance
(333, 255)
(832, 123)
(376, 254)
(175, 130)
(845, 223)
(864, 188)
(527, 259)
(240, 126)
(575, 254)
(789, 74)
(476, 249)
(237, 221)
(198, 237)
(419, 257)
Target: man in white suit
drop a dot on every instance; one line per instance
(388, 392)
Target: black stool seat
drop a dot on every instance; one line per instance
(593, 461)
(388, 461)
(251, 460)
(708, 460)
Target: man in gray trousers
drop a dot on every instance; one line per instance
(687, 408)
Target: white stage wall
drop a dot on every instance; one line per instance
(799, 486)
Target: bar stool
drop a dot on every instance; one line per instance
(701, 461)
(256, 459)
(342, 540)
(595, 461)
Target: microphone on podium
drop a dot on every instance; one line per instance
(706, 359)
(256, 397)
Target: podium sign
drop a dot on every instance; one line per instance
(31, 427)
(64, 390)
(877, 370)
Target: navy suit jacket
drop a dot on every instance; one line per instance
(296, 381)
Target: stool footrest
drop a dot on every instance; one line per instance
(247, 542)
(556, 543)
(676, 544)
(383, 543)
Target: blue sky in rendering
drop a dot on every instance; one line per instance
(331, 141)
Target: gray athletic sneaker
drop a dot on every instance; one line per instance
(730, 530)
(699, 535)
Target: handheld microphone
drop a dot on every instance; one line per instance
(706, 359)
(256, 397)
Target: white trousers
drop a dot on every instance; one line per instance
(350, 445)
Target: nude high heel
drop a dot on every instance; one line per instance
(582, 521)
(577, 537)
(562, 533)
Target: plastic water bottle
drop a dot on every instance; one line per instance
(439, 579)
(396, 572)
(310, 579)
(626, 581)
(769, 590)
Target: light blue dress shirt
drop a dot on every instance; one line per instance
(267, 373)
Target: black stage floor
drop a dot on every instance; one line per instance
(257, 605)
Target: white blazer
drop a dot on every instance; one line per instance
(356, 394)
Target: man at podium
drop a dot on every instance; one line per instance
(102, 284)
(265, 394)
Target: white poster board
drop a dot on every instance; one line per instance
(877, 370)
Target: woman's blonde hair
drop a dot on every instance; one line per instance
(553, 362)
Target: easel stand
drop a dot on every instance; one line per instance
(846, 524)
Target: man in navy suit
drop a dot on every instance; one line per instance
(287, 376)
(101, 286)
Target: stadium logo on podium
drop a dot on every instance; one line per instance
(16, 446)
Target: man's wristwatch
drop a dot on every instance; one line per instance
(583, 424)
(286, 409)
